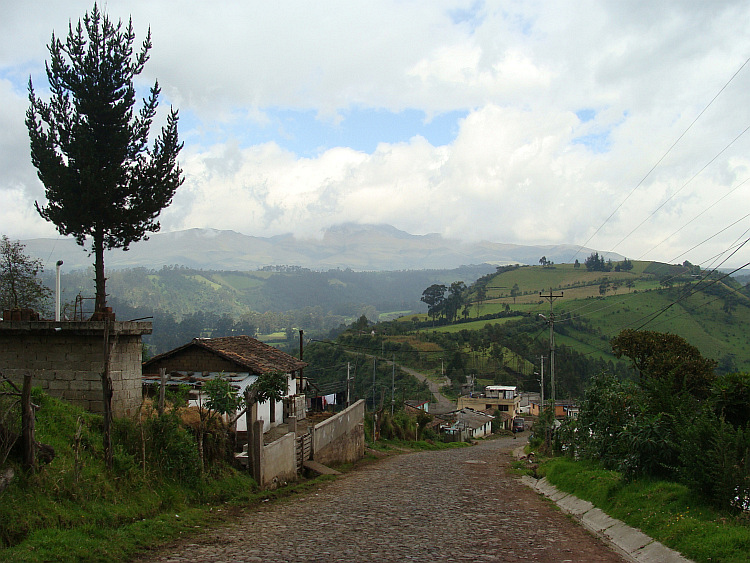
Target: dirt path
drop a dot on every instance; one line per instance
(444, 403)
(450, 505)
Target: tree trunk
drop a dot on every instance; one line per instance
(201, 454)
(99, 279)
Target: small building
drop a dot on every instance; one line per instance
(503, 398)
(415, 405)
(469, 423)
(526, 400)
(239, 358)
(67, 358)
(563, 409)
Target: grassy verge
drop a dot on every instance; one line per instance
(75, 509)
(663, 510)
(107, 540)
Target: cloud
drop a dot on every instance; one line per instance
(527, 122)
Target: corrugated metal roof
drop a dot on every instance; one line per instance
(500, 388)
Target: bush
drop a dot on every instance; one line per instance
(170, 449)
(650, 447)
(715, 461)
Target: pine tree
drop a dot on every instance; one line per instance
(102, 181)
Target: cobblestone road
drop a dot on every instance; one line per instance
(451, 505)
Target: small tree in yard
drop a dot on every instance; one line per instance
(19, 285)
(222, 398)
(90, 149)
(268, 386)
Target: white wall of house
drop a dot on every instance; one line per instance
(264, 409)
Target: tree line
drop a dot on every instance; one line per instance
(447, 301)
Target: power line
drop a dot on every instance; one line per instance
(658, 162)
(683, 187)
(696, 217)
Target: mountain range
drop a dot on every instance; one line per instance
(358, 247)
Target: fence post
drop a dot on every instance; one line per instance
(162, 388)
(258, 452)
(27, 426)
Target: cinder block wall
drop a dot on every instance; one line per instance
(341, 438)
(66, 359)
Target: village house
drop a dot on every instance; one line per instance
(503, 398)
(416, 405)
(563, 409)
(241, 359)
(468, 423)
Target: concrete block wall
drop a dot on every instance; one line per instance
(279, 461)
(341, 438)
(66, 359)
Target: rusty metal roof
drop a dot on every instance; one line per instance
(244, 351)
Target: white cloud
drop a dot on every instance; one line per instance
(522, 167)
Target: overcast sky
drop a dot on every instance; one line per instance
(516, 122)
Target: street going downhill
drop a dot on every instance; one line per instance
(450, 505)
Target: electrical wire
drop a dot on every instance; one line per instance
(658, 162)
(682, 187)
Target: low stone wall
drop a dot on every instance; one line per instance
(66, 359)
(279, 461)
(341, 438)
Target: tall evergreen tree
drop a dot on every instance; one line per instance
(90, 148)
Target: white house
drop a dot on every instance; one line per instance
(241, 359)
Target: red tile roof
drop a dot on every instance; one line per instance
(245, 351)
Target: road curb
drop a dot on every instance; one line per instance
(630, 542)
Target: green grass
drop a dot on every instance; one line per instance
(241, 281)
(103, 515)
(475, 325)
(663, 510)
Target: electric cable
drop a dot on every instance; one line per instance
(658, 162)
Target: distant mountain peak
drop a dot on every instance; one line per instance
(358, 246)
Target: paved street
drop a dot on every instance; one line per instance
(453, 505)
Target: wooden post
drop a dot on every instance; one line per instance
(27, 426)
(258, 452)
(107, 398)
(162, 388)
(251, 414)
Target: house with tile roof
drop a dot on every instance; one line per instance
(240, 359)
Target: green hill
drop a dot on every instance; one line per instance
(503, 334)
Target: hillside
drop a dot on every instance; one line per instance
(502, 337)
(595, 305)
(713, 314)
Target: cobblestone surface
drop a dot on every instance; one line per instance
(451, 505)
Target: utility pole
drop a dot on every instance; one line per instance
(301, 382)
(374, 413)
(551, 322)
(393, 384)
(347, 383)
(542, 384)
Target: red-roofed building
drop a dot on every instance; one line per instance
(241, 359)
